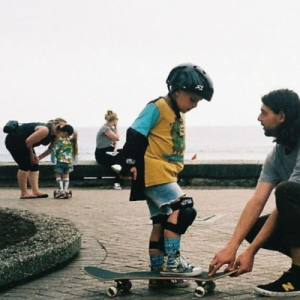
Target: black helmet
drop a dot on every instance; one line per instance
(190, 78)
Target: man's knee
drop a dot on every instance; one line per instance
(286, 192)
(186, 215)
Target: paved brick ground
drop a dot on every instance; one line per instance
(107, 220)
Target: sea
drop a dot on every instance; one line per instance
(202, 143)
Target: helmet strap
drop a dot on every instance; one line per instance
(174, 104)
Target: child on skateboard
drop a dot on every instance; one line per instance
(63, 155)
(154, 155)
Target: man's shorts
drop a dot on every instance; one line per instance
(159, 198)
(63, 168)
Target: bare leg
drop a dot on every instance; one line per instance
(33, 178)
(172, 219)
(156, 235)
(22, 181)
(66, 181)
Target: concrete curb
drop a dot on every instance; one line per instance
(56, 242)
(241, 173)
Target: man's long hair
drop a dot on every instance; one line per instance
(288, 102)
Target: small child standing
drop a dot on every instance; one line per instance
(153, 156)
(63, 155)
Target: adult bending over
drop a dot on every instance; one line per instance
(21, 146)
(280, 230)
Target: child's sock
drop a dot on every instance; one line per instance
(156, 262)
(60, 183)
(66, 184)
(172, 245)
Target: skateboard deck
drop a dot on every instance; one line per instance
(205, 283)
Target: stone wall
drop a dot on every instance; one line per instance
(195, 173)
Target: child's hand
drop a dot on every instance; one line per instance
(132, 175)
(133, 170)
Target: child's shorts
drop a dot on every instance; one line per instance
(63, 168)
(159, 198)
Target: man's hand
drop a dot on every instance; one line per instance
(224, 256)
(244, 262)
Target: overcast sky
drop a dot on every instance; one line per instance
(77, 58)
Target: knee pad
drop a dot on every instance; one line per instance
(160, 219)
(186, 216)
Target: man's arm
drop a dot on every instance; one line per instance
(244, 262)
(246, 221)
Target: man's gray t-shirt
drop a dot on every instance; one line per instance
(279, 166)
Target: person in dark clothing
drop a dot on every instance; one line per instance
(107, 152)
(21, 144)
(280, 230)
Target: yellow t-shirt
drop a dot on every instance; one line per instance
(164, 155)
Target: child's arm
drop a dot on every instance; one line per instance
(54, 151)
(136, 138)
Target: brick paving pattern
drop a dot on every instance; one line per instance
(115, 236)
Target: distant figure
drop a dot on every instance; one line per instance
(107, 152)
(280, 230)
(63, 155)
(21, 146)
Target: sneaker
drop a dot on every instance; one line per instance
(177, 265)
(62, 195)
(67, 196)
(117, 186)
(116, 168)
(59, 194)
(167, 284)
(287, 285)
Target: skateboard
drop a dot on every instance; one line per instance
(205, 284)
(56, 192)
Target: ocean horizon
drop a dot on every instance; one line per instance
(206, 142)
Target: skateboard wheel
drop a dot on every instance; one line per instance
(112, 292)
(54, 194)
(209, 286)
(200, 291)
(70, 194)
(127, 286)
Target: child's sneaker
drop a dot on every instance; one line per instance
(177, 265)
(62, 195)
(287, 285)
(59, 194)
(67, 196)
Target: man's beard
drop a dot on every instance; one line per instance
(271, 132)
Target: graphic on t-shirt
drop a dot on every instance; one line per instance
(177, 134)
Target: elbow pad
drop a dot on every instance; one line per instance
(134, 146)
(133, 150)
